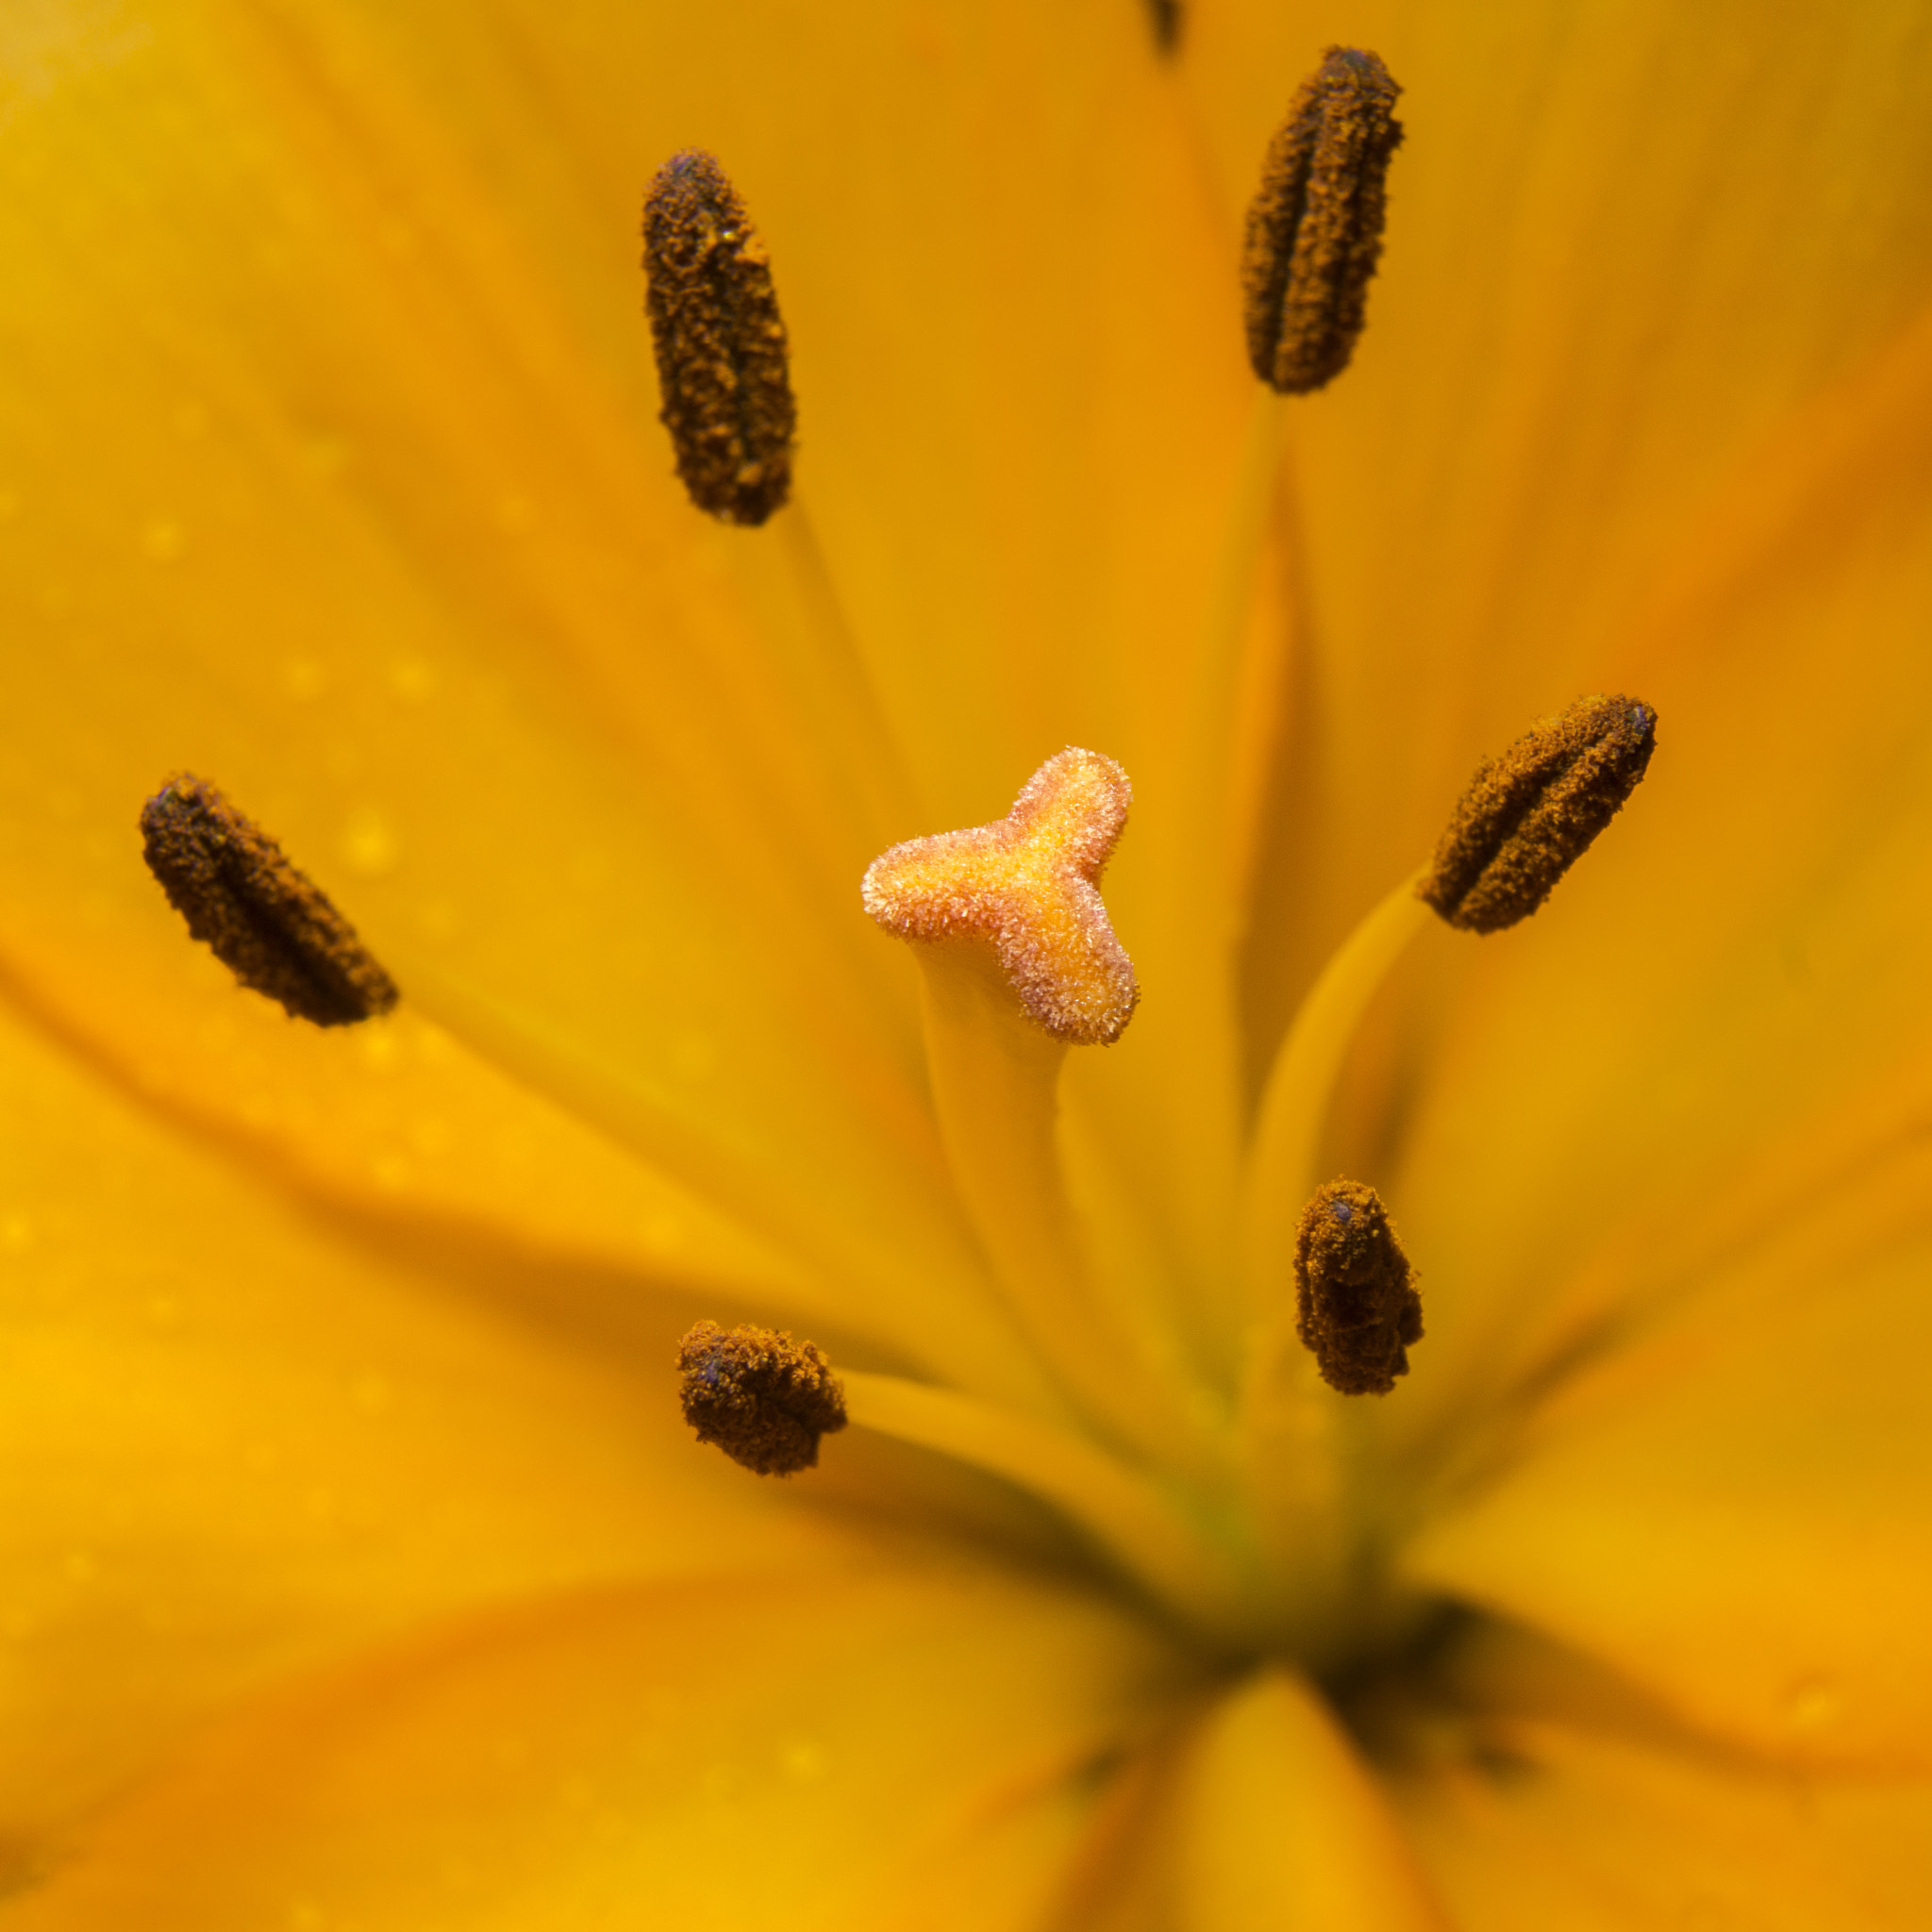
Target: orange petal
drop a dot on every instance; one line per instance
(1281, 1823)
(366, 531)
(238, 1439)
(1741, 955)
(1559, 1826)
(1022, 398)
(1732, 1505)
(858, 1753)
(1620, 252)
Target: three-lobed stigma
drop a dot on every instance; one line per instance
(1030, 884)
(1314, 230)
(723, 359)
(1356, 1306)
(762, 1397)
(1529, 814)
(269, 924)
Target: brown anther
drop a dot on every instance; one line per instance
(268, 924)
(721, 359)
(1530, 815)
(1356, 1306)
(759, 1396)
(1315, 228)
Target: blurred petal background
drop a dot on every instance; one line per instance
(354, 1568)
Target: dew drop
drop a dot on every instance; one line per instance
(1814, 1705)
(368, 844)
(304, 679)
(411, 677)
(163, 542)
(803, 1761)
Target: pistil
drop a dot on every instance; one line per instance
(1018, 962)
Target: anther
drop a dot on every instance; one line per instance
(270, 925)
(1164, 16)
(1530, 815)
(721, 360)
(759, 1396)
(1356, 1304)
(1315, 229)
(1030, 884)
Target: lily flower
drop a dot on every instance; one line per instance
(358, 1566)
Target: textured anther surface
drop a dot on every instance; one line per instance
(722, 364)
(1356, 1306)
(1028, 882)
(267, 923)
(1314, 232)
(762, 1397)
(1531, 813)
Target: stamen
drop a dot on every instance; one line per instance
(1530, 815)
(1356, 1312)
(269, 925)
(1030, 883)
(759, 1396)
(720, 341)
(1315, 228)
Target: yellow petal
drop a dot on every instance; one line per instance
(1557, 1819)
(864, 1753)
(1733, 1508)
(395, 1121)
(1739, 957)
(1281, 1824)
(238, 1440)
(369, 532)
(1022, 398)
(1621, 249)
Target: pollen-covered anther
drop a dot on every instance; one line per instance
(1356, 1311)
(1314, 229)
(1530, 815)
(723, 362)
(1030, 883)
(759, 1396)
(270, 925)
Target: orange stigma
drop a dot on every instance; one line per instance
(1030, 884)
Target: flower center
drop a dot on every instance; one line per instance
(1226, 1492)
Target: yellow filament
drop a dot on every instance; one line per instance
(825, 688)
(1177, 1091)
(995, 1074)
(1297, 1439)
(947, 1327)
(1294, 1103)
(847, 711)
(1127, 1515)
